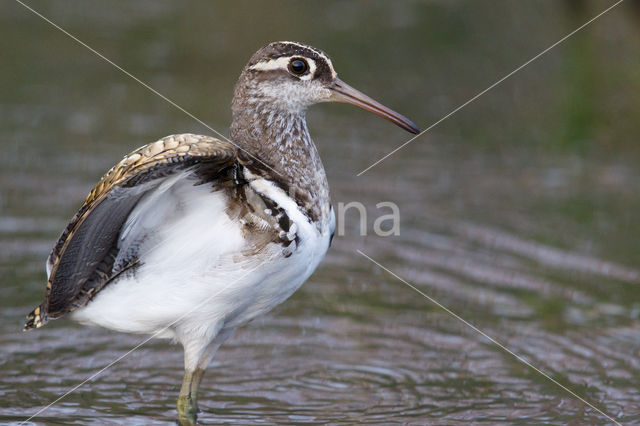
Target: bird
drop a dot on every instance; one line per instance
(190, 237)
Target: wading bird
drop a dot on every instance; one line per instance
(190, 237)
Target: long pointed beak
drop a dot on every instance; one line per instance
(342, 92)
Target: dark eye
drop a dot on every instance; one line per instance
(298, 66)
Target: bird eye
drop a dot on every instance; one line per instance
(298, 66)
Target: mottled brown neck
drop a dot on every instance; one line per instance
(281, 141)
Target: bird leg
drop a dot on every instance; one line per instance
(188, 398)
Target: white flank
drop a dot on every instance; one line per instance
(191, 249)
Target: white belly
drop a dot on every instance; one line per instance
(196, 277)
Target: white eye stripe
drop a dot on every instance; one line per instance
(271, 64)
(318, 52)
(283, 64)
(312, 70)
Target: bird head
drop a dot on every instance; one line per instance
(289, 77)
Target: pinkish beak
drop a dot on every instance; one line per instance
(342, 92)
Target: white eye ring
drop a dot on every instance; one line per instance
(283, 64)
(298, 66)
(311, 72)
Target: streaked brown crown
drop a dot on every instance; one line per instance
(286, 49)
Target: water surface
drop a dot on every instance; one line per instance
(520, 213)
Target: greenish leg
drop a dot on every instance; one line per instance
(188, 398)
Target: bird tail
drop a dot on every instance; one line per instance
(36, 319)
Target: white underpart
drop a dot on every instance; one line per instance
(192, 250)
(332, 221)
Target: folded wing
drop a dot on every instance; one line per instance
(83, 260)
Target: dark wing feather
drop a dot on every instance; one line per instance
(82, 261)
